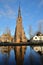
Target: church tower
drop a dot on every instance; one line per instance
(19, 31)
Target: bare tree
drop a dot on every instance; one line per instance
(30, 31)
(7, 31)
(40, 26)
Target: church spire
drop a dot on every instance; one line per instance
(19, 11)
(19, 32)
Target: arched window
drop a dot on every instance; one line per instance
(36, 38)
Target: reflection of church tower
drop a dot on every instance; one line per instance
(19, 32)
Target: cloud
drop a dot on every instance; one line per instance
(2, 13)
(8, 12)
(41, 21)
(40, 3)
(7, 1)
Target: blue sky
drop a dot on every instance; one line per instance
(31, 11)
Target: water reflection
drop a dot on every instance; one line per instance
(31, 57)
(11, 60)
(21, 56)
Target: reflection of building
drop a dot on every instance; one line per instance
(19, 54)
(19, 31)
(36, 39)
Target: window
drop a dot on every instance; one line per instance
(35, 37)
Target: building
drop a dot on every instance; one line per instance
(38, 37)
(19, 31)
(6, 38)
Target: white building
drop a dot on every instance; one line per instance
(37, 37)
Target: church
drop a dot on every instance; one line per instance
(19, 31)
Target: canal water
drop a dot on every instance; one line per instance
(31, 57)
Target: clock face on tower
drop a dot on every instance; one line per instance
(19, 19)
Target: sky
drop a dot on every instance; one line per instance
(31, 11)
